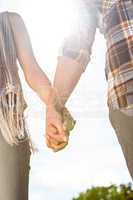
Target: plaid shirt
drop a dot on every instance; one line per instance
(114, 18)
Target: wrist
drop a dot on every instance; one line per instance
(54, 100)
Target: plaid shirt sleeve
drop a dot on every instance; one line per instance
(79, 43)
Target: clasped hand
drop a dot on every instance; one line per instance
(59, 123)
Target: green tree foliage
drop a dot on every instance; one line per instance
(112, 192)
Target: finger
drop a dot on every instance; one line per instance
(52, 141)
(48, 143)
(56, 146)
(60, 128)
(52, 132)
(61, 147)
(58, 137)
(51, 129)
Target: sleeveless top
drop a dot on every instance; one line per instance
(12, 103)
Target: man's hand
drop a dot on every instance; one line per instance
(56, 134)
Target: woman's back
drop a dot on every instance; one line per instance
(12, 102)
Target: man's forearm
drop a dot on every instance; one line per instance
(68, 73)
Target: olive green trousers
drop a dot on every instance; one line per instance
(123, 126)
(14, 170)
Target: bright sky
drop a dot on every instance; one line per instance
(93, 156)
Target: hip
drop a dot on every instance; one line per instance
(120, 120)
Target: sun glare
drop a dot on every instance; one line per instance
(48, 23)
(54, 18)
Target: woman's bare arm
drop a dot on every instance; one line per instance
(35, 77)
